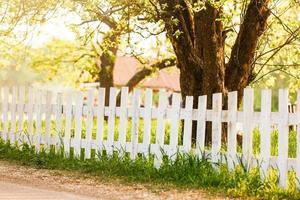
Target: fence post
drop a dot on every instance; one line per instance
(298, 141)
(232, 130)
(147, 122)
(283, 133)
(160, 128)
(89, 124)
(201, 123)
(247, 126)
(48, 121)
(216, 127)
(13, 115)
(100, 119)
(31, 100)
(135, 123)
(174, 120)
(111, 120)
(188, 121)
(38, 110)
(123, 120)
(265, 131)
(21, 101)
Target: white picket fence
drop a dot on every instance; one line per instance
(19, 104)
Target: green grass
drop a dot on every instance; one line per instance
(187, 171)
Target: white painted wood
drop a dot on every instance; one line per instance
(216, 127)
(147, 122)
(135, 123)
(20, 108)
(100, 119)
(111, 120)
(58, 122)
(48, 121)
(13, 111)
(187, 129)
(283, 133)
(89, 124)
(232, 130)
(5, 110)
(174, 120)
(30, 138)
(160, 128)
(201, 123)
(265, 131)
(68, 115)
(123, 120)
(298, 140)
(78, 123)
(38, 111)
(247, 125)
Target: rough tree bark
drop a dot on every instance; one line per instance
(198, 40)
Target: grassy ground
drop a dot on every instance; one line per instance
(185, 172)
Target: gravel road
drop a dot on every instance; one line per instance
(21, 182)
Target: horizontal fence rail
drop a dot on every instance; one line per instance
(82, 123)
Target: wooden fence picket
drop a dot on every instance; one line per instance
(58, 122)
(216, 127)
(100, 118)
(89, 124)
(123, 121)
(174, 120)
(48, 121)
(111, 121)
(31, 100)
(283, 134)
(5, 110)
(247, 126)
(201, 124)
(232, 130)
(13, 104)
(135, 123)
(68, 115)
(160, 127)
(20, 109)
(265, 131)
(38, 110)
(187, 129)
(298, 141)
(147, 122)
(78, 124)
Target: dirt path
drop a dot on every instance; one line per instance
(21, 182)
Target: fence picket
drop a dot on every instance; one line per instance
(100, 119)
(216, 127)
(201, 123)
(174, 120)
(283, 133)
(14, 97)
(298, 141)
(147, 122)
(5, 110)
(123, 120)
(20, 108)
(187, 129)
(78, 124)
(135, 123)
(265, 131)
(247, 125)
(89, 124)
(111, 121)
(38, 110)
(48, 121)
(232, 130)
(68, 115)
(31, 99)
(58, 122)
(160, 128)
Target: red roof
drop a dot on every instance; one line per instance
(126, 67)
